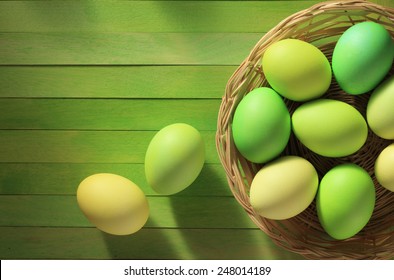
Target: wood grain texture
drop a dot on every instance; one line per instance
(125, 48)
(145, 16)
(165, 212)
(147, 244)
(64, 178)
(46, 146)
(85, 85)
(107, 114)
(114, 81)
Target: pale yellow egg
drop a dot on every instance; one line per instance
(284, 188)
(112, 203)
(384, 168)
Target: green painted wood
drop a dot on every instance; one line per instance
(45, 146)
(167, 212)
(107, 114)
(76, 82)
(145, 16)
(126, 48)
(63, 178)
(114, 81)
(89, 243)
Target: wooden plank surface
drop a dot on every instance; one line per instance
(107, 114)
(43, 178)
(114, 81)
(165, 212)
(62, 146)
(145, 16)
(84, 86)
(156, 243)
(38, 48)
(148, 16)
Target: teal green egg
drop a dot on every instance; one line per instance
(296, 69)
(329, 127)
(345, 200)
(362, 57)
(380, 110)
(261, 125)
(174, 158)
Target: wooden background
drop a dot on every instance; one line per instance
(84, 86)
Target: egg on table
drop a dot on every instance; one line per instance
(362, 57)
(174, 158)
(384, 168)
(380, 110)
(329, 127)
(261, 125)
(284, 188)
(296, 69)
(345, 200)
(113, 203)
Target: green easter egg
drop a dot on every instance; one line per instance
(345, 200)
(261, 125)
(296, 69)
(329, 127)
(174, 158)
(362, 57)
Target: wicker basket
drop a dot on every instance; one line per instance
(321, 25)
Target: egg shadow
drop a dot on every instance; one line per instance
(204, 222)
(216, 226)
(149, 243)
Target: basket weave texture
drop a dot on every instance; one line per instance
(321, 25)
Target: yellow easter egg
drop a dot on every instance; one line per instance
(284, 188)
(384, 168)
(112, 203)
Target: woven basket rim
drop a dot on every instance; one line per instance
(335, 17)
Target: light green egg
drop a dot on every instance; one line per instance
(345, 200)
(174, 158)
(362, 57)
(329, 127)
(296, 69)
(261, 125)
(380, 110)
